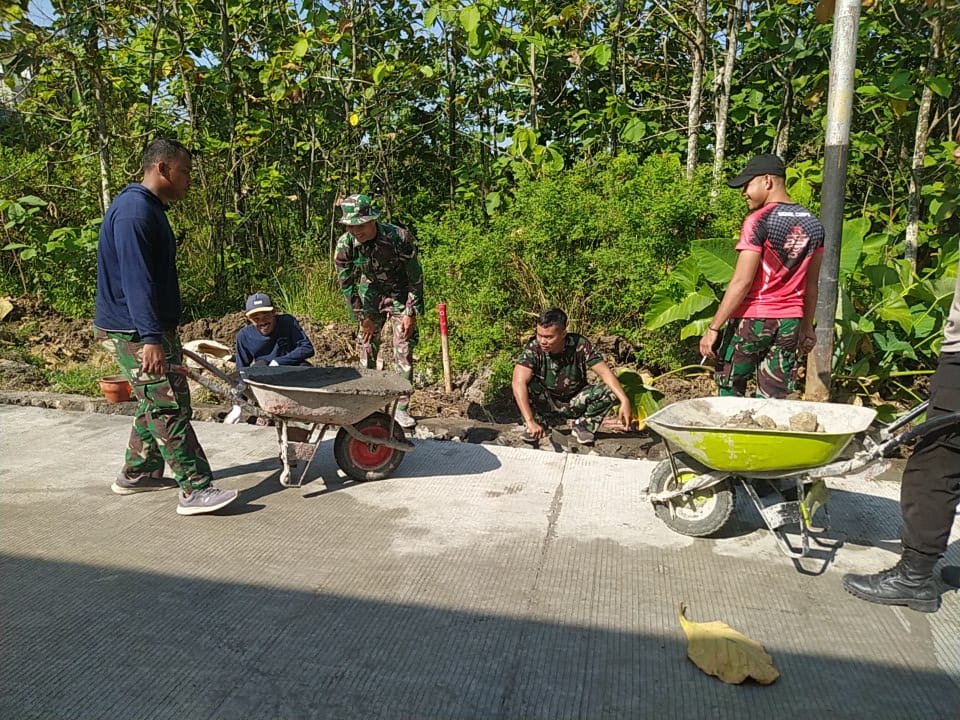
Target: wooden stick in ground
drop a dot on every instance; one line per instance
(445, 347)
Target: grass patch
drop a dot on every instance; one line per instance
(80, 378)
(311, 294)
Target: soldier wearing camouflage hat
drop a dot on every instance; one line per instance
(381, 279)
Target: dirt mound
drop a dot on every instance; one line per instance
(35, 340)
(334, 342)
(54, 339)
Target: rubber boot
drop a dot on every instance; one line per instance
(910, 582)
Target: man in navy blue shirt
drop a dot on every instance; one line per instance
(271, 338)
(137, 314)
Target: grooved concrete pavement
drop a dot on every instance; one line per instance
(478, 582)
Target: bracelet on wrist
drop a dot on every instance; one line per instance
(716, 330)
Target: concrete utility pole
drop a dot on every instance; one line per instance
(843, 60)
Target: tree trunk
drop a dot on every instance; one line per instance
(781, 141)
(726, 82)
(452, 90)
(698, 56)
(92, 57)
(920, 141)
(534, 94)
(616, 70)
(233, 162)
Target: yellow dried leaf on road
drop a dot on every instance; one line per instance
(719, 650)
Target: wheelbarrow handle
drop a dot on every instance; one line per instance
(907, 417)
(208, 366)
(229, 391)
(933, 425)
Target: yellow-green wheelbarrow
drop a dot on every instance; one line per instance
(782, 470)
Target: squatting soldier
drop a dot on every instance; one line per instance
(551, 373)
(765, 319)
(380, 277)
(136, 318)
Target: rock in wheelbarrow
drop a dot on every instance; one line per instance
(803, 422)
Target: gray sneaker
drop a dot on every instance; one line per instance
(580, 434)
(404, 420)
(146, 482)
(207, 500)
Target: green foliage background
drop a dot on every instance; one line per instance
(541, 152)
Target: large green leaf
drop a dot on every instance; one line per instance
(875, 247)
(664, 310)
(851, 245)
(634, 130)
(300, 47)
(924, 324)
(845, 309)
(940, 85)
(686, 274)
(890, 343)
(881, 276)
(894, 309)
(470, 18)
(716, 260)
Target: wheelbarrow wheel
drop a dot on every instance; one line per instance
(369, 461)
(699, 514)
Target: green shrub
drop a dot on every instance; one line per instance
(595, 240)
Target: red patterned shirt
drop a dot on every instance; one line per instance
(787, 236)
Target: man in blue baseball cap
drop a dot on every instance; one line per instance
(271, 338)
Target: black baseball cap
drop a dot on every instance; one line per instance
(759, 165)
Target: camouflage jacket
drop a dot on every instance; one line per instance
(384, 271)
(565, 374)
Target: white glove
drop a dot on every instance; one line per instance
(233, 416)
(274, 363)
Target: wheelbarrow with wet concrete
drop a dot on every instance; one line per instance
(780, 460)
(303, 402)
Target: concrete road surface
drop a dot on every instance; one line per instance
(478, 582)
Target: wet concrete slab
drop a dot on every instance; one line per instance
(477, 582)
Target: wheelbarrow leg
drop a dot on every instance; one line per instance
(288, 447)
(316, 435)
(778, 512)
(284, 452)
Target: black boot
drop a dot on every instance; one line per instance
(910, 582)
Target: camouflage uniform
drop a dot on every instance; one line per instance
(161, 429)
(558, 390)
(768, 347)
(382, 279)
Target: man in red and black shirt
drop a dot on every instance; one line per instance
(765, 319)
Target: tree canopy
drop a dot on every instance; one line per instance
(454, 111)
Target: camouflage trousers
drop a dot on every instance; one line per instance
(402, 347)
(765, 347)
(161, 431)
(592, 404)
